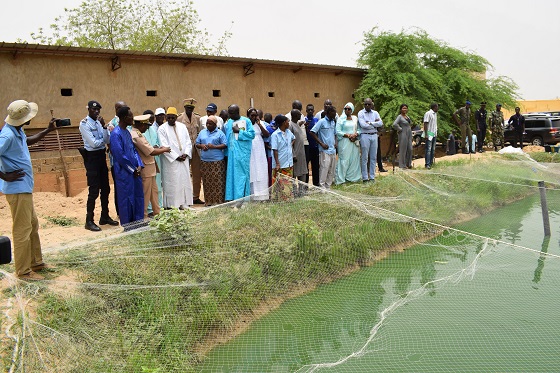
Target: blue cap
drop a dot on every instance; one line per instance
(468, 103)
(212, 107)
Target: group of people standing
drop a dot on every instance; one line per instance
(471, 143)
(163, 159)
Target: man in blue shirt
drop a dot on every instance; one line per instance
(128, 167)
(267, 118)
(17, 173)
(369, 122)
(96, 137)
(312, 150)
(324, 133)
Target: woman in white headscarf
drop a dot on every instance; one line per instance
(347, 131)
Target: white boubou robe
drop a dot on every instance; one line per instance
(175, 176)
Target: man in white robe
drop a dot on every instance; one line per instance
(176, 178)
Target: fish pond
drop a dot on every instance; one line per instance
(480, 297)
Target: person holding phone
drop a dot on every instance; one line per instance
(16, 172)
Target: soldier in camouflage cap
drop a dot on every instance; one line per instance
(462, 117)
(496, 122)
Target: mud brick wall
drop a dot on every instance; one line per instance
(49, 175)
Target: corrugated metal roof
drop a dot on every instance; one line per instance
(40, 49)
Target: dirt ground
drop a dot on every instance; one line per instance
(56, 205)
(50, 204)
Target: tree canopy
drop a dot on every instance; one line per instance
(171, 26)
(414, 69)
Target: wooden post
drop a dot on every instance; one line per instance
(544, 208)
(64, 170)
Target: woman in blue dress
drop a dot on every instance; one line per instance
(347, 132)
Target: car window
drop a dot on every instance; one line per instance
(530, 123)
(555, 122)
(540, 123)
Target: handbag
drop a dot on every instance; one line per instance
(5, 250)
(357, 141)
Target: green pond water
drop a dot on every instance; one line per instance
(455, 304)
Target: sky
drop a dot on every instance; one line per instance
(513, 35)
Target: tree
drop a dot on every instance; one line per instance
(170, 26)
(414, 69)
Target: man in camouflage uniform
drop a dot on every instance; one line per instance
(480, 117)
(463, 117)
(496, 122)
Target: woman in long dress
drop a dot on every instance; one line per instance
(403, 126)
(212, 141)
(259, 162)
(348, 166)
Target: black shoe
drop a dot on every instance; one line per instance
(108, 220)
(91, 226)
(383, 170)
(198, 201)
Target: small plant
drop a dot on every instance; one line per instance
(308, 237)
(62, 221)
(174, 223)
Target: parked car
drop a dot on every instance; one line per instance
(540, 113)
(539, 130)
(418, 137)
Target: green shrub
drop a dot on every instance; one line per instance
(174, 223)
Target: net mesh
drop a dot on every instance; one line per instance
(311, 280)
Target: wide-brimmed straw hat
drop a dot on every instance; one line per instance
(145, 118)
(20, 112)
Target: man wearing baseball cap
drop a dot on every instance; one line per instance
(17, 173)
(96, 138)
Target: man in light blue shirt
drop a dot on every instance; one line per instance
(96, 137)
(324, 133)
(17, 173)
(281, 142)
(369, 122)
(159, 120)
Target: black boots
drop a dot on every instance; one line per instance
(106, 219)
(91, 226)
